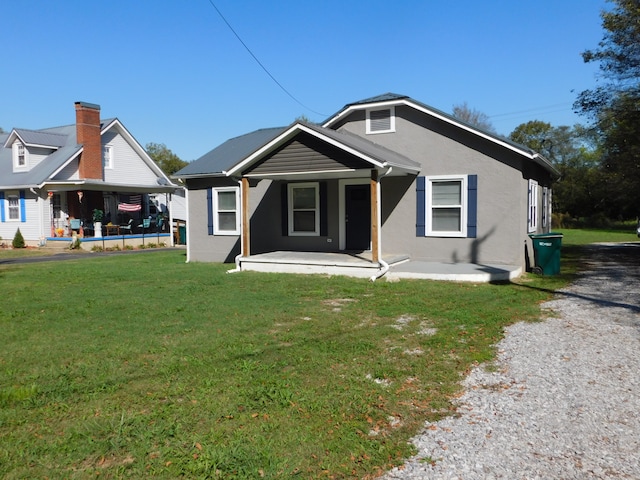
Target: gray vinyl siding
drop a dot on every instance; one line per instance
(69, 172)
(307, 154)
(32, 229)
(128, 167)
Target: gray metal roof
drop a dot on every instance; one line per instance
(229, 153)
(39, 138)
(62, 139)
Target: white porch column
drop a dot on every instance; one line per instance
(376, 253)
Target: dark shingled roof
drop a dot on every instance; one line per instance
(229, 153)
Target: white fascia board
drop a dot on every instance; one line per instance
(389, 103)
(64, 165)
(11, 138)
(313, 173)
(362, 106)
(469, 129)
(130, 139)
(289, 134)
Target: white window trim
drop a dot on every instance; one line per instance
(392, 120)
(290, 188)
(216, 224)
(532, 207)
(16, 147)
(429, 232)
(107, 164)
(7, 200)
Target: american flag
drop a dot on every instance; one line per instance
(133, 205)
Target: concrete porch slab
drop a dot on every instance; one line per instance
(455, 272)
(360, 265)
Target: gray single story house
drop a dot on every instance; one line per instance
(385, 181)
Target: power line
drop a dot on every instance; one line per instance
(540, 110)
(260, 63)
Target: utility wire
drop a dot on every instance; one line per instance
(260, 63)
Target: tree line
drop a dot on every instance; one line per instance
(599, 162)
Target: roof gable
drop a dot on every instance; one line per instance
(36, 138)
(393, 99)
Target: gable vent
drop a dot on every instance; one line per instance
(380, 121)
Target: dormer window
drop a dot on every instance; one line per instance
(107, 156)
(20, 155)
(381, 120)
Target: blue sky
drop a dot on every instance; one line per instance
(174, 73)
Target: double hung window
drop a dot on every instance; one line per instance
(532, 215)
(304, 209)
(226, 217)
(446, 206)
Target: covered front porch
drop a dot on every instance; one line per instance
(361, 265)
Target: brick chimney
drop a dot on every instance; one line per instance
(88, 135)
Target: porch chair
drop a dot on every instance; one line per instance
(146, 223)
(75, 224)
(127, 227)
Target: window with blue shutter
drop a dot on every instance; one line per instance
(447, 206)
(23, 207)
(210, 211)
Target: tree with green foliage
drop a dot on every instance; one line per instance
(18, 240)
(574, 153)
(168, 161)
(614, 108)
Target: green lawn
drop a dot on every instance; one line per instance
(141, 365)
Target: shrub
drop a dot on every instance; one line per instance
(18, 240)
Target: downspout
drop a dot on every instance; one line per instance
(239, 256)
(186, 198)
(383, 264)
(40, 217)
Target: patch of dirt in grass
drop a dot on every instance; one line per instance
(338, 303)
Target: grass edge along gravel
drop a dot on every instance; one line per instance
(144, 365)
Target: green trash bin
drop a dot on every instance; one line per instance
(182, 235)
(546, 252)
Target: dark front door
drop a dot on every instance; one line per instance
(358, 217)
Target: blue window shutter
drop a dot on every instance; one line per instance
(210, 210)
(472, 206)
(2, 207)
(284, 209)
(23, 207)
(324, 214)
(420, 206)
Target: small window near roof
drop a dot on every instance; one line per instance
(381, 120)
(19, 156)
(107, 156)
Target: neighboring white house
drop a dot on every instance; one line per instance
(52, 179)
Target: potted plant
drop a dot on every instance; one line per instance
(98, 215)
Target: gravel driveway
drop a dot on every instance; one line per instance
(564, 402)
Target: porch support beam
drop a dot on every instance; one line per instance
(375, 217)
(244, 194)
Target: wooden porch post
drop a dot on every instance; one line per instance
(375, 220)
(244, 193)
